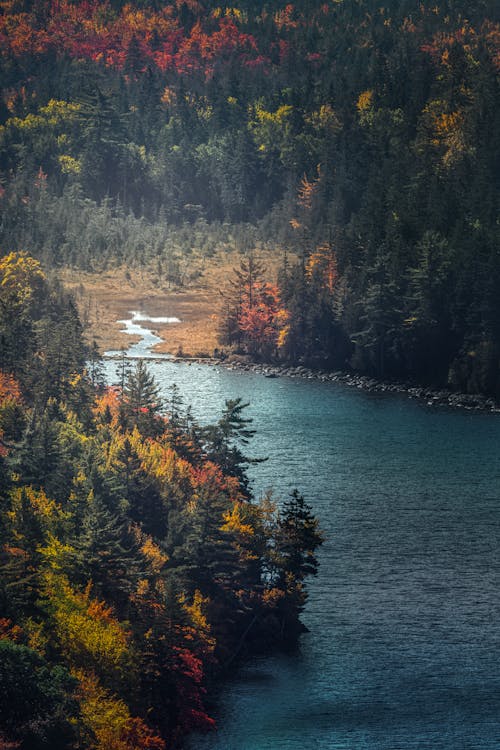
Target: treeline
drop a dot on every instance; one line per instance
(134, 564)
(363, 135)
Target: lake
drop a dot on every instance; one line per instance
(403, 651)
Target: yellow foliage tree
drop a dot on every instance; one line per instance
(86, 630)
(20, 276)
(107, 719)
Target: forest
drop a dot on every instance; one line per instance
(135, 566)
(360, 137)
(359, 141)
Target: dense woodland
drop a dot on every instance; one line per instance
(362, 136)
(135, 566)
(360, 141)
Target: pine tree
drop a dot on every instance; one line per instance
(298, 538)
(141, 402)
(107, 552)
(222, 442)
(145, 503)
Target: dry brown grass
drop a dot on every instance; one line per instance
(107, 297)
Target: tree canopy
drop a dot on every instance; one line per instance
(361, 137)
(134, 562)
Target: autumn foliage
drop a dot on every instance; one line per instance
(136, 131)
(133, 561)
(131, 39)
(252, 316)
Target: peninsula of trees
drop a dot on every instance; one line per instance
(135, 566)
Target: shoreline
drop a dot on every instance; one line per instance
(431, 396)
(242, 363)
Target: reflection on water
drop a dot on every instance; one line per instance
(404, 645)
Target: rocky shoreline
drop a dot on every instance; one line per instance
(432, 397)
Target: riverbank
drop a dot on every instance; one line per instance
(105, 300)
(410, 518)
(432, 397)
(408, 497)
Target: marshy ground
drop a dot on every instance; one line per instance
(106, 297)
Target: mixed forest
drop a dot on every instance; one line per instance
(359, 140)
(359, 136)
(135, 566)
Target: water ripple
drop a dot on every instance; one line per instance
(404, 645)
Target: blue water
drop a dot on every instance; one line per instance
(403, 651)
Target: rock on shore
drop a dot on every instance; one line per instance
(432, 397)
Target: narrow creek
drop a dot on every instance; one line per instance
(148, 339)
(403, 651)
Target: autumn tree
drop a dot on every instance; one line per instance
(252, 317)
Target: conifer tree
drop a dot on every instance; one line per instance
(141, 402)
(223, 442)
(106, 552)
(298, 538)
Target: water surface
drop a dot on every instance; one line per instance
(144, 347)
(404, 645)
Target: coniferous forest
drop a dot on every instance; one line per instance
(360, 142)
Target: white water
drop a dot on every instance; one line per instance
(138, 316)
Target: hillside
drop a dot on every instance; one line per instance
(135, 565)
(361, 136)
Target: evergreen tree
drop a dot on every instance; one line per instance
(298, 539)
(141, 402)
(223, 442)
(145, 503)
(106, 552)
